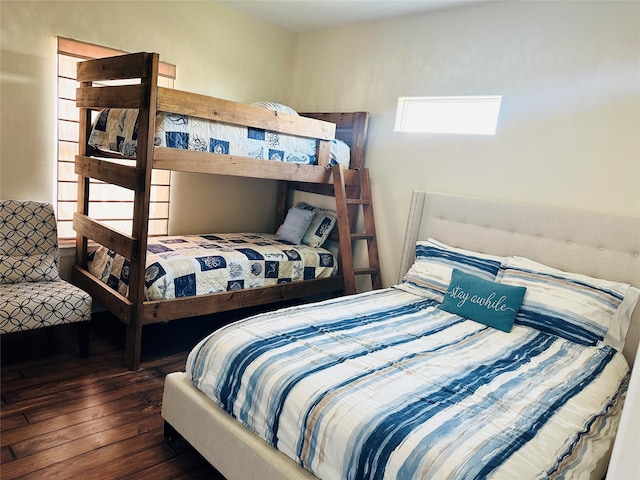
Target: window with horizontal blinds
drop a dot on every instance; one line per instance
(110, 204)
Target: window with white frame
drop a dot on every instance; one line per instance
(111, 204)
(473, 115)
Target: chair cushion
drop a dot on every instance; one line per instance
(28, 242)
(27, 306)
(29, 268)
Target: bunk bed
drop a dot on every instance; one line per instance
(135, 89)
(390, 384)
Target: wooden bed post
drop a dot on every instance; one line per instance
(140, 229)
(83, 181)
(281, 203)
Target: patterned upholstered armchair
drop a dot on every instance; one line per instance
(32, 294)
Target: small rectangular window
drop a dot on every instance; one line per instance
(476, 115)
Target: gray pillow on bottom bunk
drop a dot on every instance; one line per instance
(296, 224)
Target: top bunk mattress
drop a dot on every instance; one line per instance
(116, 131)
(189, 265)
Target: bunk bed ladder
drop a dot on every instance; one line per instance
(348, 200)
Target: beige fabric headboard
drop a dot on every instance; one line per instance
(594, 244)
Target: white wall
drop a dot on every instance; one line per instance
(567, 135)
(569, 73)
(218, 52)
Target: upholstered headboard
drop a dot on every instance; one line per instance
(594, 244)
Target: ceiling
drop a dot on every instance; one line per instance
(309, 15)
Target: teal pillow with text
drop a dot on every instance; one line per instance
(491, 303)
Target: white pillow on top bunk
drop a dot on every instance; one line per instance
(339, 151)
(278, 107)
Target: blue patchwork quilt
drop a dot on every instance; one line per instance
(116, 130)
(188, 265)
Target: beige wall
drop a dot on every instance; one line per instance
(569, 73)
(567, 135)
(218, 52)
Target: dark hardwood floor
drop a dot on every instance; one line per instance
(63, 417)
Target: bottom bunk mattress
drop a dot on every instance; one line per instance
(188, 265)
(385, 384)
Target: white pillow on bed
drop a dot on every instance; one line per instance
(339, 153)
(577, 307)
(278, 107)
(430, 275)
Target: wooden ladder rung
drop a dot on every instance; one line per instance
(366, 271)
(358, 201)
(361, 236)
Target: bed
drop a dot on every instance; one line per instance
(129, 128)
(538, 399)
(115, 131)
(180, 266)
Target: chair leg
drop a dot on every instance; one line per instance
(83, 339)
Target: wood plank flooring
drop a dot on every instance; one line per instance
(63, 417)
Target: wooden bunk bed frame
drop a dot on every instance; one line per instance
(349, 186)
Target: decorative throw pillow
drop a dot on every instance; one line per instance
(295, 224)
(29, 268)
(577, 307)
(320, 228)
(484, 301)
(430, 275)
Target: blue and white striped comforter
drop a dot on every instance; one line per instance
(385, 385)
